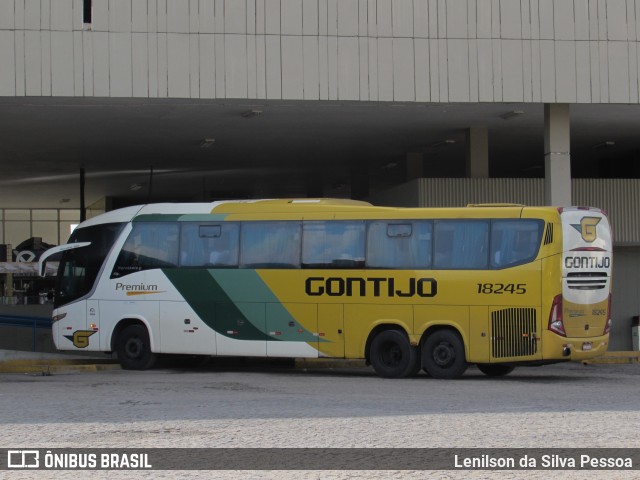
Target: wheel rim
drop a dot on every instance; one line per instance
(444, 354)
(134, 348)
(391, 354)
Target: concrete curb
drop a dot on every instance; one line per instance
(615, 358)
(48, 366)
(607, 358)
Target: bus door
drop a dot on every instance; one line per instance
(479, 344)
(93, 321)
(331, 330)
(72, 330)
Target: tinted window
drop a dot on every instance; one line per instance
(333, 244)
(80, 267)
(205, 245)
(514, 242)
(149, 245)
(399, 245)
(270, 245)
(461, 244)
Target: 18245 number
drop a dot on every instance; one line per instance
(502, 288)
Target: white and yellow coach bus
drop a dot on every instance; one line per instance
(404, 288)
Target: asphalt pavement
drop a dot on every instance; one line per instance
(278, 406)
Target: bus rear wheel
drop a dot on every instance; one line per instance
(495, 370)
(134, 348)
(443, 355)
(392, 356)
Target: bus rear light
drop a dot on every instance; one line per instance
(55, 318)
(607, 326)
(555, 317)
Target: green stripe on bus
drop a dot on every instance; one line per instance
(238, 304)
(246, 285)
(211, 303)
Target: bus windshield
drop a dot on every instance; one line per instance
(80, 267)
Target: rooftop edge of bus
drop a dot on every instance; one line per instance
(292, 208)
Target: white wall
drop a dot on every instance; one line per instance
(567, 51)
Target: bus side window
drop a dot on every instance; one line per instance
(461, 244)
(149, 245)
(270, 245)
(209, 245)
(333, 244)
(514, 242)
(399, 245)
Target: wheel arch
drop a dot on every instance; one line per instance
(124, 323)
(381, 327)
(446, 326)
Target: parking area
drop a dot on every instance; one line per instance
(223, 405)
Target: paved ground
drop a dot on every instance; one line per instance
(559, 406)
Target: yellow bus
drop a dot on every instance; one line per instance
(404, 288)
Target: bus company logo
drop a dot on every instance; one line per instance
(23, 459)
(80, 338)
(137, 289)
(377, 287)
(587, 228)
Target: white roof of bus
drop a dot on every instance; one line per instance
(128, 213)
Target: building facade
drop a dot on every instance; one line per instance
(554, 54)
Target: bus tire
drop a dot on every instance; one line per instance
(392, 356)
(443, 355)
(495, 369)
(134, 348)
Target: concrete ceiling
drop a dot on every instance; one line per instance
(286, 149)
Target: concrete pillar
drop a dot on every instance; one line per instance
(477, 158)
(557, 157)
(415, 166)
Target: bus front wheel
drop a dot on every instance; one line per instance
(495, 370)
(134, 348)
(392, 356)
(443, 355)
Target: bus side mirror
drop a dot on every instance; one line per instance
(42, 261)
(42, 268)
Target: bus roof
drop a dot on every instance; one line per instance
(311, 208)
